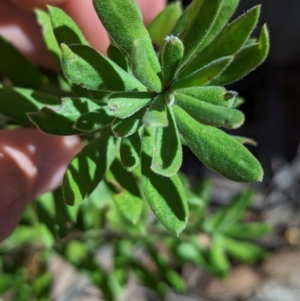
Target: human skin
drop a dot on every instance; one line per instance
(32, 162)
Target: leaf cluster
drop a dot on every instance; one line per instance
(211, 241)
(134, 107)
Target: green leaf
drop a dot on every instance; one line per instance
(130, 151)
(219, 264)
(202, 15)
(246, 231)
(87, 169)
(156, 115)
(165, 196)
(125, 127)
(204, 75)
(171, 56)
(164, 22)
(210, 114)
(94, 120)
(115, 54)
(226, 11)
(167, 151)
(127, 197)
(125, 104)
(214, 95)
(229, 214)
(246, 60)
(17, 102)
(62, 120)
(217, 150)
(142, 69)
(88, 68)
(48, 35)
(228, 42)
(243, 251)
(181, 23)
(65, 29)
(21, 73)
(123, 22)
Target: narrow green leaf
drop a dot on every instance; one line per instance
(228, 42)
(204, 75)
(123, 22)
(214, 95)
(65, 29)
(115, 54)
(210, 114)
(88, 68)
(243, 251)
(181, 23)
(127, 197)
(48, 35)
(142, 69)
(219, 263)
(125, 104)
(202, 15)
(62, 120)
(164, 22)
(87, 169)
(17, 102)
(230, 213)
(217, 150)
(171, 56)
(130, 150)
(246, 60)
(94, 120)
(156, 115)
(125, 127)
(165, 196)
(21, 73)
(227, 9)
(246, 231)
(167, 151)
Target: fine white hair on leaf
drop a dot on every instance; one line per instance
(170, 38)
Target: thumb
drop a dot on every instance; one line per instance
(30, 164)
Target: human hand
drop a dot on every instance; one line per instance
(32, 162)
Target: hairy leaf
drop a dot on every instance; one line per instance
(228, 42)
(202, 15)
(204, 75)
(210, 114)
(65, 29)
(87, 169)
(217, 150)
(164, 22)
(90, 69)
(156, 115)
(130, 150)
(61, 121)
(123, 22)
(214, 95)
(165, 196)
(115, 54)
(127, 197)
(171, 56)
(226, 11)
(167, 151)
(142, 69)
(17, 102)
(246, 60)
(125, 104)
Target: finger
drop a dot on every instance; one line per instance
(31, 163)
